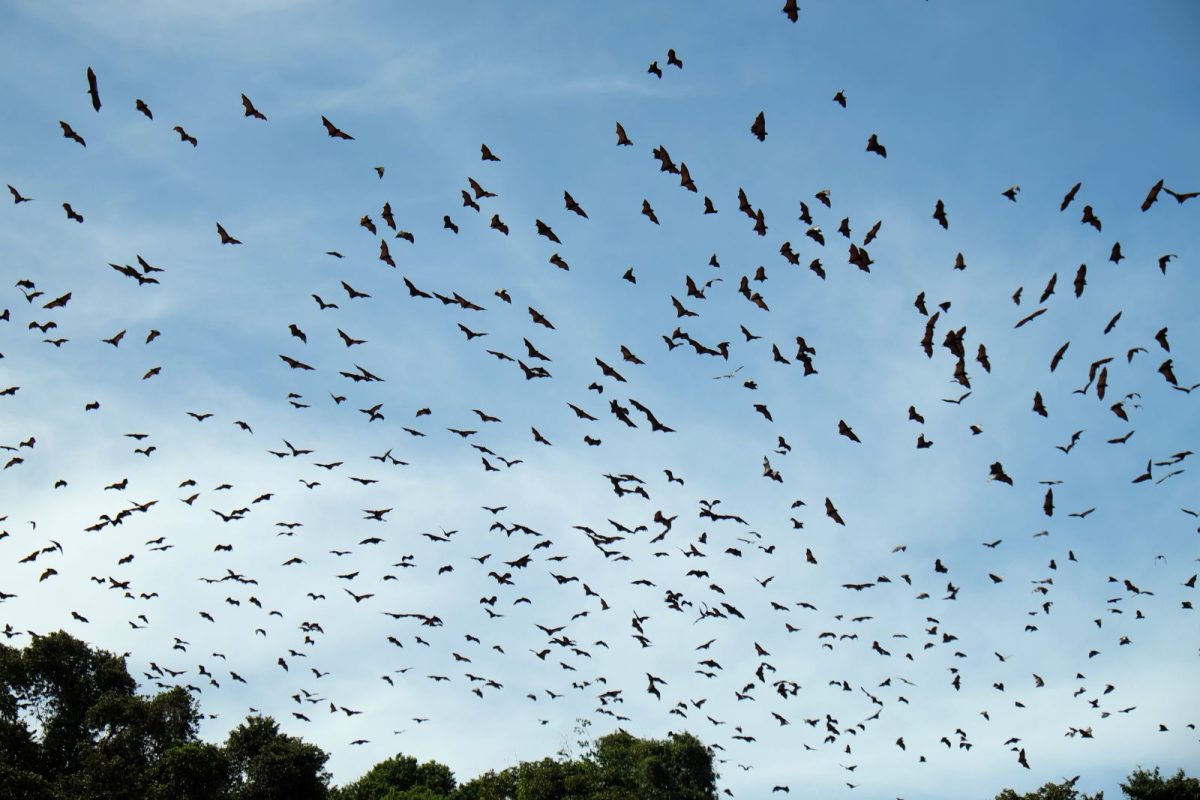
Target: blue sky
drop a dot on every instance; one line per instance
(968, 100)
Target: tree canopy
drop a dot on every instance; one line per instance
(1051, 791)
(1145, 785)
(401, 777)
(73, 725)
(1140, 785)
(618, 766)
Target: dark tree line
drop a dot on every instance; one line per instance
(72, 725)
(1141, 784)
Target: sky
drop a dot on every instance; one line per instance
(967, 100)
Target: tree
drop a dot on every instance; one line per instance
(679, 767)
(192, 771)
(22, 784)
(1140, 785)
(55, 682)
(1052, 791)
(1144, 785)
(491, 785)
(619, 766)
(269, 765)
(401, 778)
(72, 726)
(129, 734)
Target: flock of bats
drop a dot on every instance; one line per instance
(705, 558)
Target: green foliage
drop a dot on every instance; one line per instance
(1051, 791)
(57, 680)
(677, 768)
(491, 785)
(1144, 785)
(1140, 785)
(274, 766)
(401, 778)
(92, 736)
(192, 771)
(21, 784)
(615, 767)
(72, 726)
